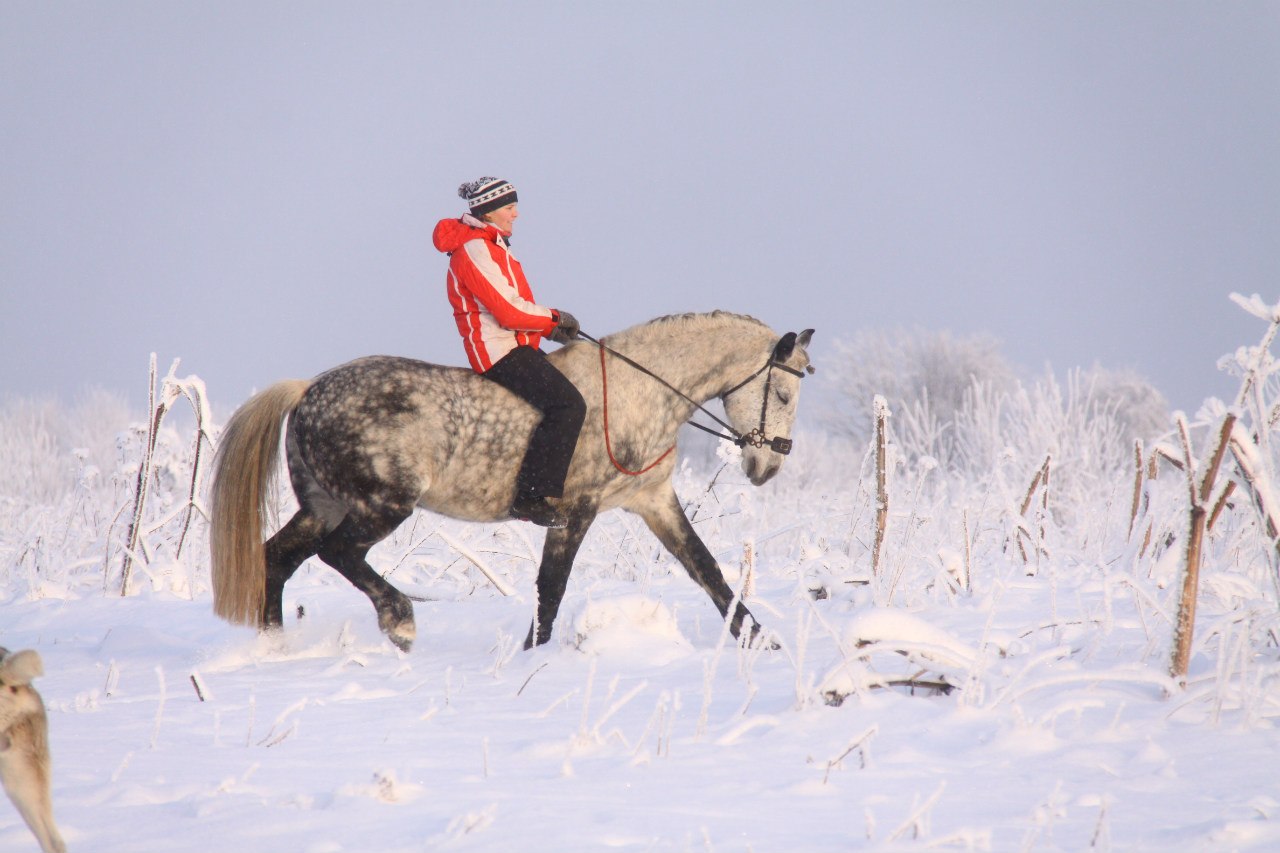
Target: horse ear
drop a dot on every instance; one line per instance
(18, 669)
(784, 347)
(804, 337)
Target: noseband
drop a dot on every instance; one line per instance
(755, 438)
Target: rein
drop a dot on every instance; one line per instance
(608, 445)
(755, 438)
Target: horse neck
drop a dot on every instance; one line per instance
(702, 355)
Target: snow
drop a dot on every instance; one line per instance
(633, 730)
(1030, 710)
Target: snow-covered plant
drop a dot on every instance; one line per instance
(155, 473)
(80, 489)
(926, 373)
(44, 443)
(1244, 432)
(58, 490)
(956, 401)
(1027, 602)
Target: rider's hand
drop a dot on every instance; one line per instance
(566, 330)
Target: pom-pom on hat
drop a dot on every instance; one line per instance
(487, 195)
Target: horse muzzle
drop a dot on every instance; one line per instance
(760, 468)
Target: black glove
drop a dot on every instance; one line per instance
(566, 330)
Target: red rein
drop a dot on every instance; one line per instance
(608, 446)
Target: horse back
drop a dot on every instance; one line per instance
(389, 432)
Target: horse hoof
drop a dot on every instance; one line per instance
(768, 643)
(536, 637)
(271, 632)
(758, 637)
(403, 635)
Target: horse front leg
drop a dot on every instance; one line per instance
(668, 522)
(558, 552)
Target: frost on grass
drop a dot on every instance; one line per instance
(888, 648)
(628, 624)
(952, 701)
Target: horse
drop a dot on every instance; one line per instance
(371, 440)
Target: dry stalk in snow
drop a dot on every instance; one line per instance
(1144, 470)
(859, 743)
(1137, 485)
(498, 583)
(1039, 481)
(170, 390)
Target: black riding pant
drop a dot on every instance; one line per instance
(526, 373)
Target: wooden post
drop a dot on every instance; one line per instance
(1184, 628)
(1199, 495)
(881, 409)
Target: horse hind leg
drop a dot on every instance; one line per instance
(289, 548)
(345, 548)
(285, 552)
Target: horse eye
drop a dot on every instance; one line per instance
(784, 397)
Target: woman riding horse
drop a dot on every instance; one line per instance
(501, 327)
(371, 440)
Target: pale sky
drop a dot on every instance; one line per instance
(251, 186)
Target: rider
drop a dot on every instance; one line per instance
(501, 327)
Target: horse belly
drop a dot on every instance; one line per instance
(476, 480)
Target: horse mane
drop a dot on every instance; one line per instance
(713, 315)
(711, 318)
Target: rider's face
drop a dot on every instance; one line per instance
(503, 217)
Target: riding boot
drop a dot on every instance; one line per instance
(536, 509)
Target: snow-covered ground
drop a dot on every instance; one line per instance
(961, 698)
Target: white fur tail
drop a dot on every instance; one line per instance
(24, 747)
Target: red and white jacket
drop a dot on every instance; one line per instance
(491, 299)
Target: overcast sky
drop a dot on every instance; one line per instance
(251, 187)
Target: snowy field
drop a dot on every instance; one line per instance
(1000, 683)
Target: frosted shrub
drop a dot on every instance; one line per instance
(1069, 424)
(43, 444)
(56, 484)
(1140, 411)
(956, 401)
(31, 464)
(68, 484)
(927, 373)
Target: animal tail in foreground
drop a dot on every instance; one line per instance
(244, 475)
(24, 746)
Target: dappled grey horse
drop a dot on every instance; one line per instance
(369, 441)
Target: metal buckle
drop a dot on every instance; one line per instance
(756, 438)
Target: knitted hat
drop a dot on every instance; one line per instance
(487, 195)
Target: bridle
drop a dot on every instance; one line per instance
(755, 438)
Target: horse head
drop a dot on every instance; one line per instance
(763, 409)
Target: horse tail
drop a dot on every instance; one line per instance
(244, 476)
